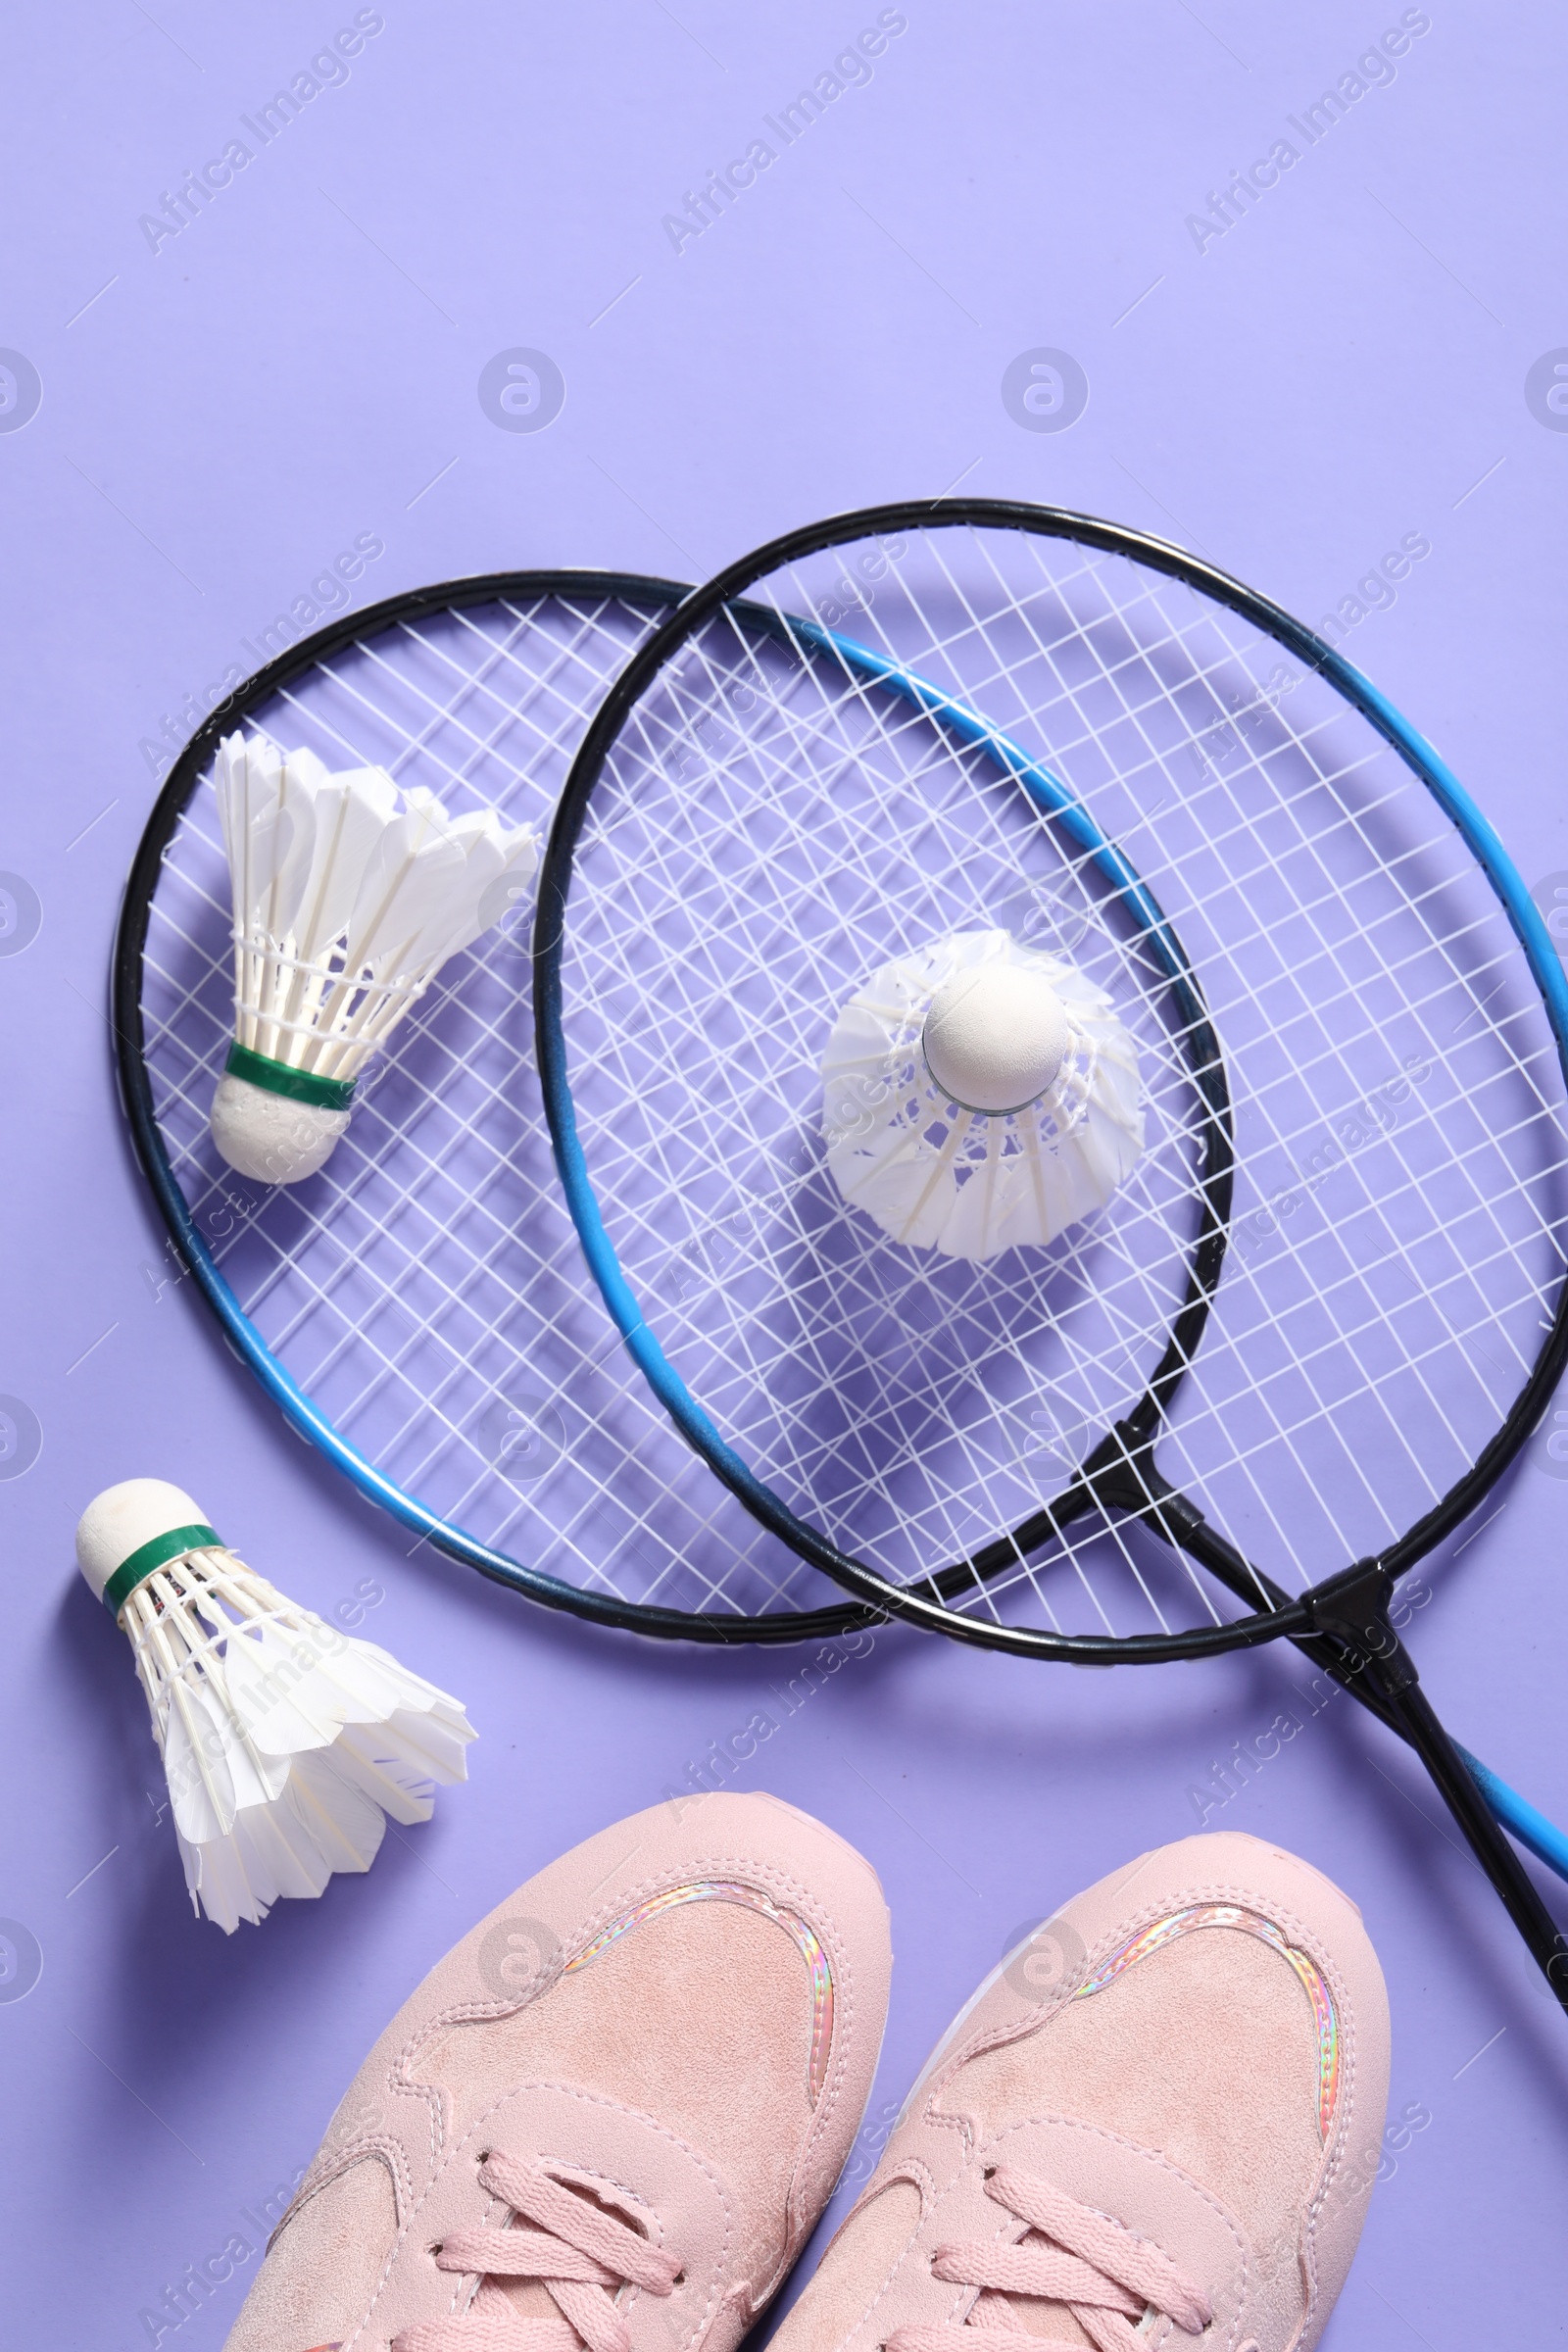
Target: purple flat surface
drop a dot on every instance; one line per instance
(1364, 354)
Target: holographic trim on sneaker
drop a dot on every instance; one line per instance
(1251, 1923)
(731, 1891)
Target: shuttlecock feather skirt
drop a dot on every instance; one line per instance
(285, 1742)
(938, 1175)
(349, 894)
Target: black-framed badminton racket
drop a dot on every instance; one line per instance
(419, 1309)
(1125, 1073)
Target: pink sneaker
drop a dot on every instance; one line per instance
(1158, 2119)
(611, 2116)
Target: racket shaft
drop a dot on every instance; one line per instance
(1496, 1857)
(1227, 1566)
(1520, 1818)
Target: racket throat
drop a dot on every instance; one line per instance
(1354, 1634)
(1352, 1610)
(1122, 1477)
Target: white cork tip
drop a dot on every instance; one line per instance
(269, 1136)
(996, 1037)
(121, 1519)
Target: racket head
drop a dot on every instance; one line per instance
(421, 1310)
(759, 821)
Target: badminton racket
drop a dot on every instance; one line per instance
(420, 1310)
(1303, 1333)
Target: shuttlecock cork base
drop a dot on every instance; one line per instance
(979, 1097)
(266, 1129)
(285, 1742)
(349, 896)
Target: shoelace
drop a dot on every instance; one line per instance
(577, 2251)
(1105, 2276)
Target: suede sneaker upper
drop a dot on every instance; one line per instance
(1157, 2124)
(611, 2116)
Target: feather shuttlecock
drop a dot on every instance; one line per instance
(284, 1741)
(979, 1095)
(349, 896)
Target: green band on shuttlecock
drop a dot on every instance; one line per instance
(300, 1086)
(140, 1565)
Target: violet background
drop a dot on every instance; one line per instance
(300, 364)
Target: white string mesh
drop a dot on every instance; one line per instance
(426, 1289)
(770, 829)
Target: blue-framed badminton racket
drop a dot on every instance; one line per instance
(420, 1310)
(1127, 1069)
